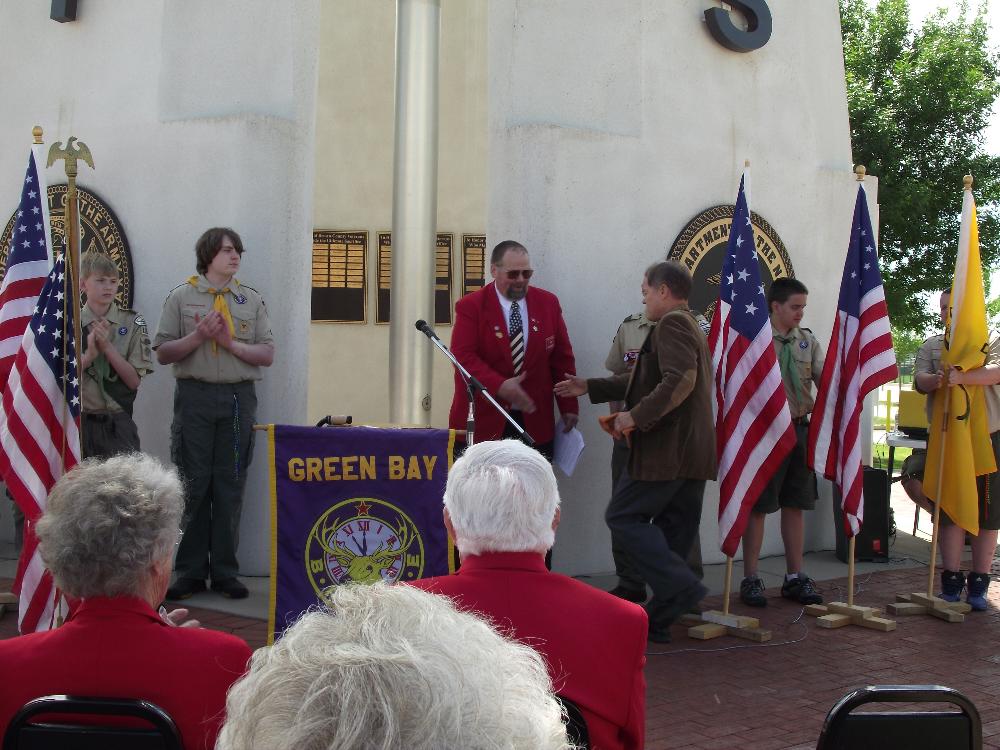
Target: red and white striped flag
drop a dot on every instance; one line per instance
(40, 431)
(860, 358)
(753, 427)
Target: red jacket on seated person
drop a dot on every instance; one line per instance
(120, 648)
(594, 643)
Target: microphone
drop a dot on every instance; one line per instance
(421, 325)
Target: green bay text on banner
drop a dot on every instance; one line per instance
(354, 505)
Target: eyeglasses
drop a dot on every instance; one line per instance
(514, 275)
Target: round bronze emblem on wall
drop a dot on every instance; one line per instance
(100, 231)
(701, 247)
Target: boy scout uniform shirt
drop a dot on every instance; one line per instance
(807, 355)
(929, 361)
(129, 336)
(631, 336)
(207, 363)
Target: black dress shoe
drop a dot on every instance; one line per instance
(658, 635)
(230, 588)
(630, 595)
(663, 614)
(183, 588)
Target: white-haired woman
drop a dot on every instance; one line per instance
(108, 535)
(390, 667)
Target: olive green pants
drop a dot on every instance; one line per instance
(211, 441)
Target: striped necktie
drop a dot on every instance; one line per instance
(516, 337)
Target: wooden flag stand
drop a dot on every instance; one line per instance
(919, 603)
(713, 624)
(839, 614)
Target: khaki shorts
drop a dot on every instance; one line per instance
(988, 485)
(794, 484)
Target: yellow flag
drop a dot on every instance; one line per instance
(959, 439)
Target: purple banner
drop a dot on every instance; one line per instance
(353, 504)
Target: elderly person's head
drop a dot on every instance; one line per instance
(501, 497)
(110, 527)
(391, 667)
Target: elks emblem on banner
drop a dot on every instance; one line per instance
(354, 505)
(364, 540)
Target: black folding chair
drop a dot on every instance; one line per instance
(576, 725)
(25, 734)
(847, 729)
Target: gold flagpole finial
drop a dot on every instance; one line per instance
(746, 163)
(967, 182)
(860, 172)
(37, 133)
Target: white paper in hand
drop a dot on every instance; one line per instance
(567, 449)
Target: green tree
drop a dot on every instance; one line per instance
(919, 103)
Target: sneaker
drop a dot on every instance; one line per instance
(801, 588)
(629, 595)
(952, 583)
(230, 588)
(183, 588)
(752, 592)
(976, 596)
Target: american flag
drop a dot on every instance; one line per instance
(753, 427)
(40, 431)
(27, 265)
(860, 359)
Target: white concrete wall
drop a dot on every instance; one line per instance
(614, 122)
(197, 114)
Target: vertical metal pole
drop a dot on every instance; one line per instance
(414, 208)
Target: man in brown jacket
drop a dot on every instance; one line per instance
(668, 400)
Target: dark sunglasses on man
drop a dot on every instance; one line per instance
(513, 275)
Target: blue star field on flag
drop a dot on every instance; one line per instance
(861, 272)
(27, 241)
(741, 285)
(52, 325)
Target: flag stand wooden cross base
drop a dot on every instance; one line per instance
(713, 624)
(923, 604)
(839, 614)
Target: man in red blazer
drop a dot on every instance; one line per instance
(485, 340)
(502, 509)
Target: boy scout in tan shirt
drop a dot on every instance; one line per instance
(116, 354)
(215, 332)
(793, 487)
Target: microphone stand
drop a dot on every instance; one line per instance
(472, 386)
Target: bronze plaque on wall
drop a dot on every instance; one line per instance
(100, 231)
(338, 276)
(442, 278)
(701, 247)
(473, 262)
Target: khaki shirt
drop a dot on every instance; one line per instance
(929, 361)
(207, 363)
(128, 335)
(808, 356)
(631, 336)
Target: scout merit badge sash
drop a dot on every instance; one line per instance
(353, 505)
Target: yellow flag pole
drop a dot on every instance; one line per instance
(937, 494)
(728, 585)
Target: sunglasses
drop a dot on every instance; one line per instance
(514, 275)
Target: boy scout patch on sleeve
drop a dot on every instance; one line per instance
(803, 345)
(239, 299)
(122, 330)
(631, 356)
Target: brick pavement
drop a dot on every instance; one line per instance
(728, 693)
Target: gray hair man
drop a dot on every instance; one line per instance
(501, 505)
(392, 667)
(108, 536)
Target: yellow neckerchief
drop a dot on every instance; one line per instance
(219, 305)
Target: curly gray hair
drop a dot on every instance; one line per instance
(107, 521)
(389, 667)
